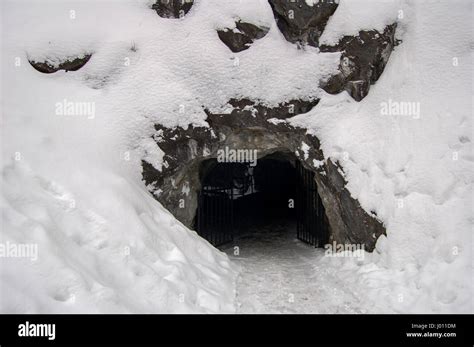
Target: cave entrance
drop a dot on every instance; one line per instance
(274, 189)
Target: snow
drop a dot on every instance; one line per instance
(72, 184)
(313, 2)
(317, 163)
(353, 16)
(280, 274)
(104, 246)
(414, 172)
(152, 153)
(305, 148)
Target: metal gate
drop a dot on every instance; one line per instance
(311, 226)
(215, 216)
(218, 204)
(229, 181)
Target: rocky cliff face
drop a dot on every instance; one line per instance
(255, 127)
(252, 125)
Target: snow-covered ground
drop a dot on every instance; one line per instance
(72, 184)
(281, 274)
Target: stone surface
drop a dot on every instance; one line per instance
(73, 64)
(248, 127)
(301, 23)
(242, 36)
(363, 60)
(172, 8)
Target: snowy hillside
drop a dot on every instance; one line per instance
(72, 181)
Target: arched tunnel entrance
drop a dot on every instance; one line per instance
(266, 215)
(276, 190)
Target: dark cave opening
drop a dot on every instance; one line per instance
(276, 190)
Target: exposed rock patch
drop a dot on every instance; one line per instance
(246, 113)
(72, 64)
(363, 60)
(172, 8)
(242, 36)
(301, 23)
(363, 56)
(248, 126)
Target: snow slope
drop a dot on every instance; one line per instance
(104, 244)
(414, 171)
(72, 184)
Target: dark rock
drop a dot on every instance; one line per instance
(350, 223)
(67, 65)
(242, 36)
(248, 127)
(246, 113)
(172, 8)
(301, 23)
(363, 61)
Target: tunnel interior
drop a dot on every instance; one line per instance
(276, 190)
